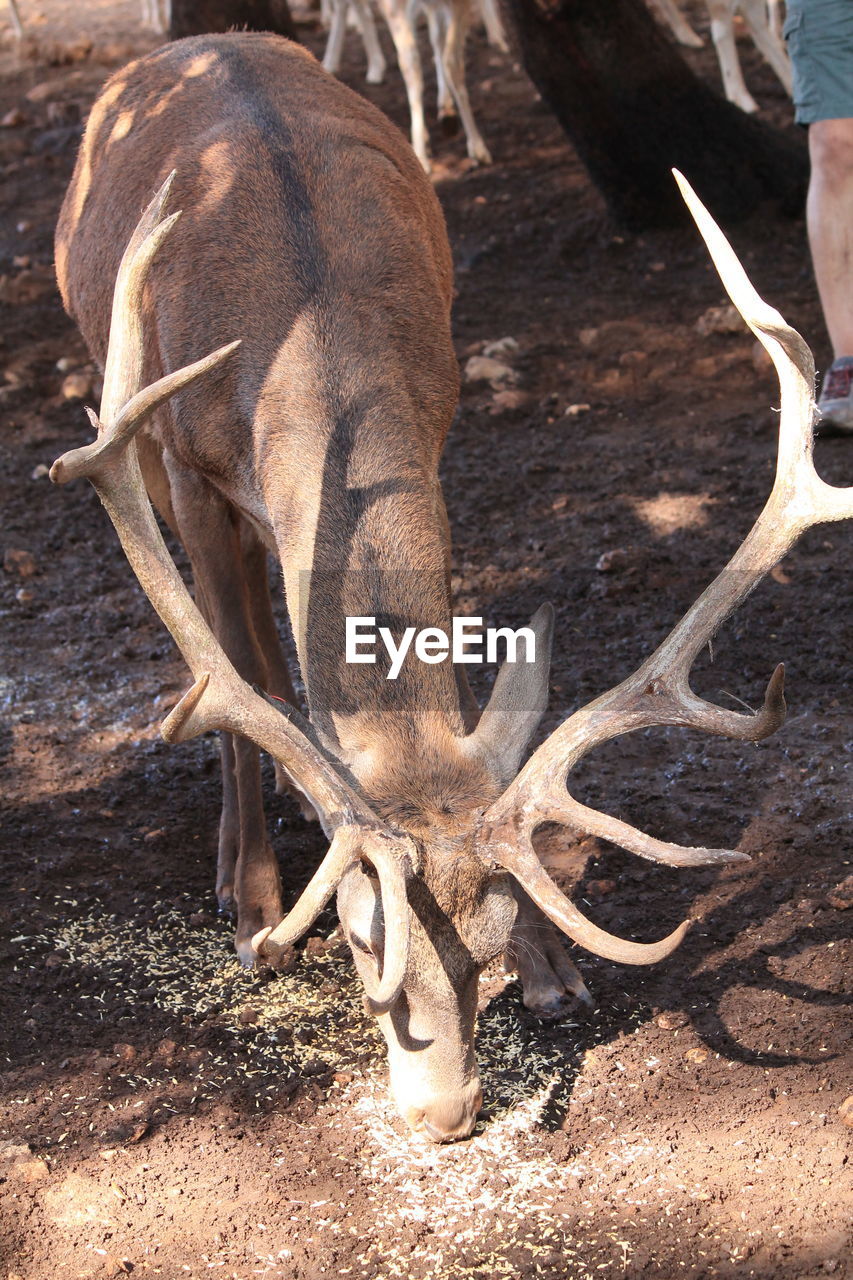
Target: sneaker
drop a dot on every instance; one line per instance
(836, 399)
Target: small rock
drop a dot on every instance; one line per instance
(601, 887)
(504, 401)
(18, 1161)
(587, 337)
(65, 364)
(574, 410)
(124, 1052)
(24, 596)
(671, 1020)
(19, 561)
(845, 1111)
(12, 119)
(696, 1055)
(611, 561)
(483, 369)
(315, 946)
(247, 1016)
(42, 91)
(725, 319)
(841, 897)
(39, 472)
(166, 1048)
(76, 386)
(502, 347)
(342, 1077)
(117, 1266)
(23, 227)
(155, 834)
(632, 358)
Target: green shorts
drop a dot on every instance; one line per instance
(819, 36)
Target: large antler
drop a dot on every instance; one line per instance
(219, 698)
(659, 692)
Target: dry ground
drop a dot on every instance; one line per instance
(163, 1113)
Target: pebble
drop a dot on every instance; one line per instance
(16, 560)
(124, 1052)
(19, 1162)
(23, 227)
(724, 319)
(841, 897)
(845, 1111)
(502, 347)
(484, 369)
(76, 386)
(696, 1055)
(671, 1020)
(503, 401)
(65, 364)
(24, 596)
(247, 1016)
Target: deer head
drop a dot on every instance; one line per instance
(428, 898)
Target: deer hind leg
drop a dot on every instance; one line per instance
(247, 872)
(550, 983)
(454, 70)
(279, 683)
(337, 30)
(409, 59)
(766, 42)
(436, 16)
(370, 37)
(723, 36)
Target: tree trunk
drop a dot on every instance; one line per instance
(634, 110)
(195, 17)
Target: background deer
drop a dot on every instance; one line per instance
(312, 251)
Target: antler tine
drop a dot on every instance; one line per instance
(394, 859)
(219, 698)
(659, 693)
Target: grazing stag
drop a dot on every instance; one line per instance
(311, 233)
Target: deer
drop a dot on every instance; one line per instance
(308, 260)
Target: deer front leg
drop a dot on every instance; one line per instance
(550, 982)
(247, 871)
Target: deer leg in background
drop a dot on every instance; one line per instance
(436, 16)
(278, 682)
(367, 26)
(454, 70)
(409, 60)
(550, 982)
(210, 532)
(754, 13)
(723, 36)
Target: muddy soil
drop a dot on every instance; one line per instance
(163, 1112)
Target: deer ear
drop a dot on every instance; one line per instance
(518, 702)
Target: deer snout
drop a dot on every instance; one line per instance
(449, 1117)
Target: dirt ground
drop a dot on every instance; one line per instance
(163, 1112)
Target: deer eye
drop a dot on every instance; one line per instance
(361, 945)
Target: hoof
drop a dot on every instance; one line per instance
(226, 905)
(448, 123)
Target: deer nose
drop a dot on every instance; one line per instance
(449, 1118)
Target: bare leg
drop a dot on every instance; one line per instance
(436, 16)
(337, 31)
(370, 38)
(537, 955)
(829, 214)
